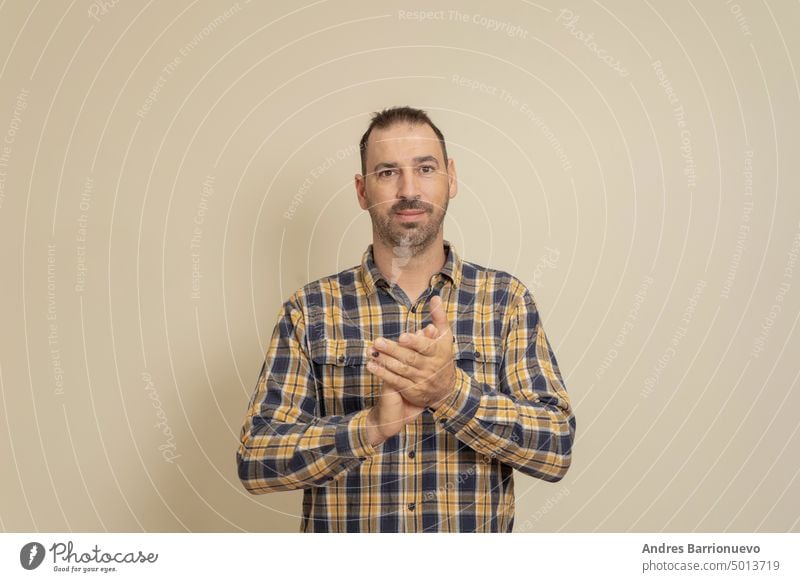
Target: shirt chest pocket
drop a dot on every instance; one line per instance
(481, 358)
(343, 383)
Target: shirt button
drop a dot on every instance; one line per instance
(477, 354)
(340, 359)
(412, 506)
(411, 454)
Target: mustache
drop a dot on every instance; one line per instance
(411, 205)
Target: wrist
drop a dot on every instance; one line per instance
(447, 396)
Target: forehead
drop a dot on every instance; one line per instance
(404, 138)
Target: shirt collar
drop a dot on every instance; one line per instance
(372, 277)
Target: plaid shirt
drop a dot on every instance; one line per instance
(451, 470)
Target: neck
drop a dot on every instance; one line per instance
(410, 272)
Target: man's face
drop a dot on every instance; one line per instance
(407, 187)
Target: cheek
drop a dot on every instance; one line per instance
(381, 190)
(437, 195)
(378, 201)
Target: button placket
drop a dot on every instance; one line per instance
(413, 323)
(411, 478)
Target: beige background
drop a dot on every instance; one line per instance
(649, 200)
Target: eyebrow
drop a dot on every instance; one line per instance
(417, 160)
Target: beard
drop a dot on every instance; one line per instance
(409, 238)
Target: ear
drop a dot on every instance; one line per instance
(361, 188)
(452, 177)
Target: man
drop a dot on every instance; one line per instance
(400, 394)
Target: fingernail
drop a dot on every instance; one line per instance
(380, 343)
(403, 337)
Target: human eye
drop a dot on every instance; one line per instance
(427, 169)
(387, 173)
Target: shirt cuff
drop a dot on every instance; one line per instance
(461, 407)
(351, 438)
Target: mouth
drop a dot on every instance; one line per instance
(409, 215)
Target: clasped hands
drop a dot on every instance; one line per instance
(417, 371)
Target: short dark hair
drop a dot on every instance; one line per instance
(393, 115)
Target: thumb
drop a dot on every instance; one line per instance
(438, 315)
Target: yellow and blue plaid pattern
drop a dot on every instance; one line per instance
(448, 471)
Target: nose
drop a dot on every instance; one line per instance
(407, 187)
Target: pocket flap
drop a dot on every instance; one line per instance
(479, 349)
(339, 352)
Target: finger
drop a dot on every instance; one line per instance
(391, 381)
(398, 383)
(430, 332)
(400, 368)
(419, 343)
(438, 315)
(394, 349)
